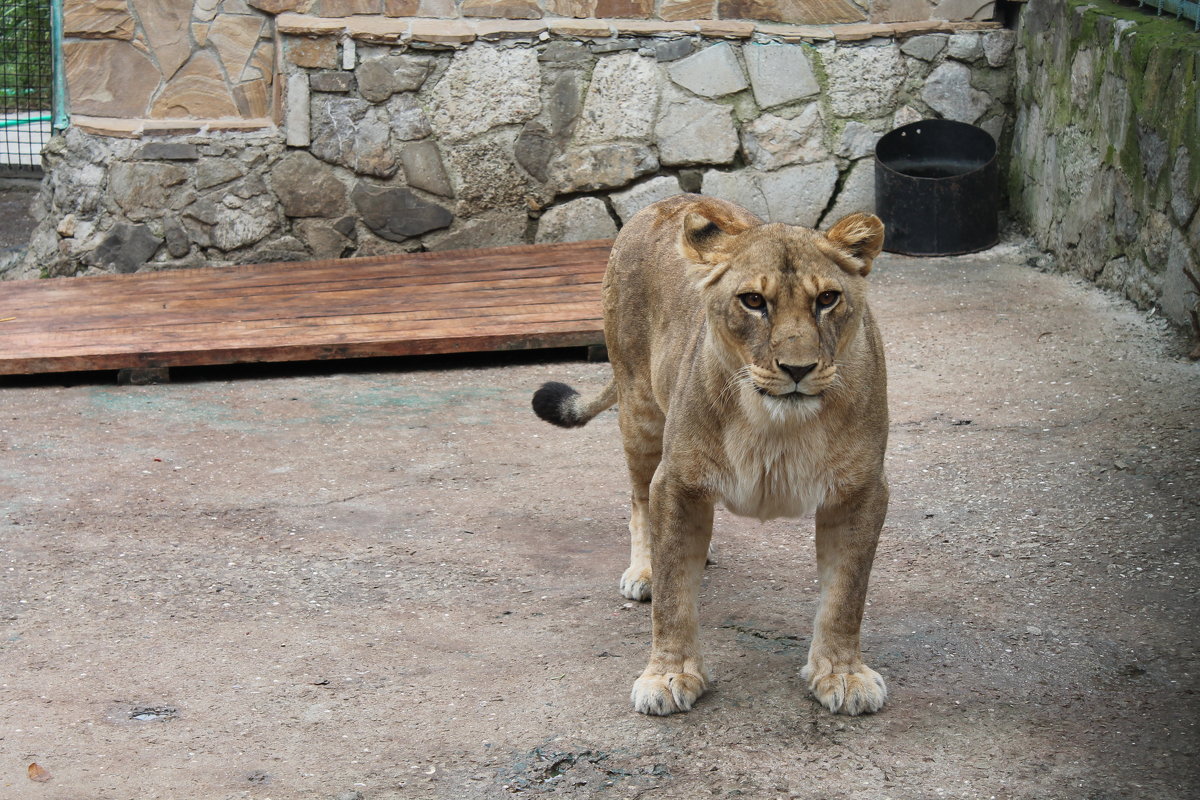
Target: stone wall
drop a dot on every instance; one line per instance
(394, 136)
(1106, 150)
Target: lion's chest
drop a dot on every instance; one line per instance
(775, 475)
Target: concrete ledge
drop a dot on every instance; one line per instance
(392, 30)
(137, 128)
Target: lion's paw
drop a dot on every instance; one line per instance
(853, 693)
(666, 694)
(635, 583)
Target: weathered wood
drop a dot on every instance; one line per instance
(505, 298)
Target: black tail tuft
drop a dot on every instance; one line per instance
(555, 403)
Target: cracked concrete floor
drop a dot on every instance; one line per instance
(389, 580)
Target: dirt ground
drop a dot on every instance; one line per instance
(390, 580)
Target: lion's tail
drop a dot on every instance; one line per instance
(561, 405)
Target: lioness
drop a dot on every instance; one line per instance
(749, 371)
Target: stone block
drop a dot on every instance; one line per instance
(770, 142)
(322, 239)
(434, 31)
(623, 9)
(864, 81)
(109, 78)
(602, 166)
(353, 133)
(126, 248)
(175, 237)
(740, 187)
(243, 222)
(408, 121)
(212, 172)
(797, 195)
(314, 52)
(964, 47)
(694, 131)
(535, 148)
(423, 168)
(712, 72)
(900, 10)
(686, 9)
(165, 25)
(380, 78)
(397, 214)
(433, 9)
(307, 187)
(334, 82)
(502, 9)
(297, 119)
(857, 193)
(576, 221)
(98, 19)
(234, 36)
(857, 141)
(632, 200)
(486, 87)
(673, 49)
(948, 91)
(496, 230)
(805, 12)
(583, 28)
(621, 101)
(168, 151)
(277, 6)
(487, 176)
(198, 91)
(926, 47)
(346, 8)
(143, 189)
(779, 73)
(998, 47)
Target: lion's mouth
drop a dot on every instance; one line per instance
(794, 395)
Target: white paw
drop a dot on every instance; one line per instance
(635, 583)
(667, 694)
(853, 693)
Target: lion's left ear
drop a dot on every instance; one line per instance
(859, 236)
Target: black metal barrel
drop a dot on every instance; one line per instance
(937, 188)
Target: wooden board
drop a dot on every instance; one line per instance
(505, 298)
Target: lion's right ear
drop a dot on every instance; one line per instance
(702, 240)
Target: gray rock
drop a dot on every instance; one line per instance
(212, 172)
(333, 81)
(408, 119)
(948, 91)
(998, 47)
(175, 236)
(964, 46)
(713, 72)
(243, 223)
(1178, 293)
(423, 168)
(1183, 201)
(485, 87)
(297, 120)
(740, 187)
(694, 131)
(604, 166)
(615, 46)
(857, 141)
(770, 142)
(126, 248)
(322, 239)
(535, 148)
(353, 133)
(487, 176)
(863, 81)
(283, 249)
(562, 101)
(576, 221)
(673, 49)
(797, 195)
(307, 187)
(396, 214)
(621, 101)
(144, 188)
(380, 78)
(497, 230)
(168, 151)
(634, 199)
(1154, 152)
(779, 73)
(562, 52)
(926, 48)
(857, 193)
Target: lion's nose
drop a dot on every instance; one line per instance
(796, 372)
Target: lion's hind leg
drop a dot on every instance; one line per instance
(641, 432)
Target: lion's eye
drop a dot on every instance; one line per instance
(827, 299)
(753, 301)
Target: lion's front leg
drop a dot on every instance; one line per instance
(675, 676)
(847, 533)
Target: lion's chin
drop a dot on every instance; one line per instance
(790, 407)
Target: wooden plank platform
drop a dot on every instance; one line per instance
(505, 298)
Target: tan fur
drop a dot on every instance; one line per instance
(709, 413)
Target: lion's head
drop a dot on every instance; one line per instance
(783, 303)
